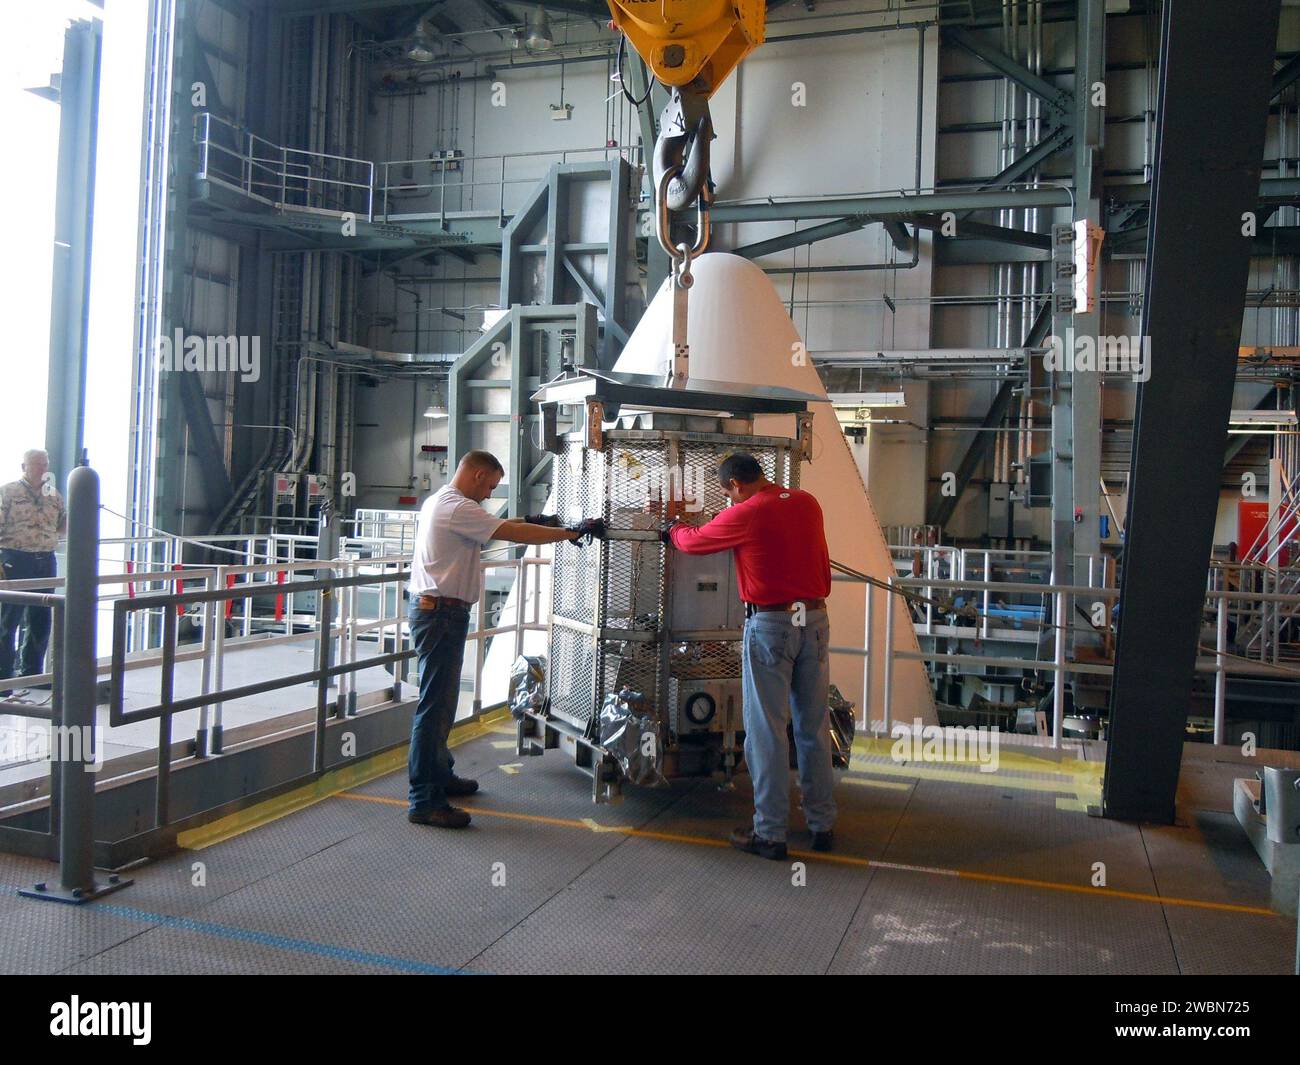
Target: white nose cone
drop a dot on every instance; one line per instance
(738, 330)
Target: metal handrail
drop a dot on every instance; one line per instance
(276, 163)
(286, 168)
(1061, 665)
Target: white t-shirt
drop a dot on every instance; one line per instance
(448, 534)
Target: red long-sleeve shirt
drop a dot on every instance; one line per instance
(779, 543)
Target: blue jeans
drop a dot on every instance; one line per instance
(787, 675)
(34, 620)
(439, 638)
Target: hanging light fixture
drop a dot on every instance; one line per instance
(539, 36)
(421, 47)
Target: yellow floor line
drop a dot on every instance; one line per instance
(329, 784)
(863, 782)
(591, 825)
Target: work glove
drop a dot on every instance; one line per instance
(550, 520)
(587, 530)
(666, 533)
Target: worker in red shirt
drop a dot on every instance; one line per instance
(784, 574)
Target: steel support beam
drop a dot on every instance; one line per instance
(963, 228)
(882, 207)
(1286, 76)
(800, 237)
(1083, 522)
(613, 328)
(1058, 99)
(981, 442)
(65, 409)
(1051, 143)
(1216, 77)
(616, 261)
(203, 441)
(1238, 441)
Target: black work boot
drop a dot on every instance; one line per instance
(461, 786)
(439, 817)
(823, 841)
(746, 839)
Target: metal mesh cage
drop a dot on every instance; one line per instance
(702, 659)
(700, 461)
(579, 483)
(619, 586)
(574, 592)
(632, 585)
(568, 680)
(634, 480)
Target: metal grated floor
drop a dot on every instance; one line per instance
(932, 873)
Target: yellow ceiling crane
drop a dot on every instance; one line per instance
(690, 46)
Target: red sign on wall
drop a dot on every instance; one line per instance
(1252, 530)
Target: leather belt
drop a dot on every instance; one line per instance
(784, 608)
(433, 602)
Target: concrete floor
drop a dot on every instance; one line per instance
(938, 869)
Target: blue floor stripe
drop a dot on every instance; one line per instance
(268, 939)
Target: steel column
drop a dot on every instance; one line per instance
(74, 736)
(65, 410)
(1084, 396)
(1216, 75)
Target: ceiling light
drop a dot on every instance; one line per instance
(539, 36)
(421, 49)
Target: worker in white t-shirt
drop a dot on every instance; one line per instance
(445, 584)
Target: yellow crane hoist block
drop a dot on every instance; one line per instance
(683, 40)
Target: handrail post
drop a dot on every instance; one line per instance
(1220, 668)
(346, 623)
(521, 601)
(352, 651)
(1058, 663)
(210, 612)
(501, 210)
(163, 786)
(219, 666)
(442, 196)
(326, 548)
(889, 658)
(866, 658)
(479, 644)
(74, 735)
(984, 613)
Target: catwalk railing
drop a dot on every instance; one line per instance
(432, 185)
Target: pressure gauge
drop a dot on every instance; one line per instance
(700, 708)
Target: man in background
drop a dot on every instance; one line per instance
(32, 519)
